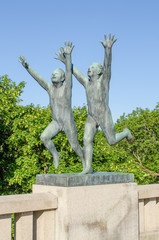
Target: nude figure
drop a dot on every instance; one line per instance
(97, 92)
(60, 93)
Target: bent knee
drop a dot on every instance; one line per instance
(111, 141)
(74, 145)
(44, 138)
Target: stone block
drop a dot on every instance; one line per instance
(75, 179)
(105, 212)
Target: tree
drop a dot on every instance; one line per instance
(144, 125)
(9, 100)
(32, 157)
(23, 155)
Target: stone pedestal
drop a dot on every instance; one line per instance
(94, 210)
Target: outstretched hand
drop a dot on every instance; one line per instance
(108, 41)
(68, 48)
(61, 55)
(23, 61)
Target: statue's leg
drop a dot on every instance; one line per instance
(107, 126)
(51, 131)
(72, 136)
(89, 133)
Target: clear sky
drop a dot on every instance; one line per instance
(38, 28)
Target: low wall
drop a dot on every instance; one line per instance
(32, 214)
(106, 212)
(149, 211)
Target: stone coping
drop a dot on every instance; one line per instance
(21, 203)
(75, 179)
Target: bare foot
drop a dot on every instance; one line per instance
(130, 137)
(56, 160)
(131, 140)
(87, 170)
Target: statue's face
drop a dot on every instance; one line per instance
(56, 76)
(92, 70)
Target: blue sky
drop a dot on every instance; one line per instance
(37, 29)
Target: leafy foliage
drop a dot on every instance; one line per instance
(23, 155)
(9, 100)
(144, 125)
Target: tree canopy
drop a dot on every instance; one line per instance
(23, 155)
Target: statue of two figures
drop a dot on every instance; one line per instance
(97, 92)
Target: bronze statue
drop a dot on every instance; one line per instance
(60, 93)
(97, 92)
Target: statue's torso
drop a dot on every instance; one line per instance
(60, 102)
(97, 98)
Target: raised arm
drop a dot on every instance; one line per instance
(68, 65)
(108, 57)
(80, 77)
(43, 83)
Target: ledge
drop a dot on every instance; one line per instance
(27, 203)
(148, 191)
(75, 179)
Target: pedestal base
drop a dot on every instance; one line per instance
(75, 179)
(97, 212)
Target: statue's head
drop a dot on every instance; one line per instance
(96, 69)
(58, 76)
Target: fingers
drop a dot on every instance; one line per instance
(114, 40)
(62, 49)
(60, 52)
(57, 54)
(102, 42)
(22, 59)
(109, 38)
(73, 47)
(68, 47)
(67, 44)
